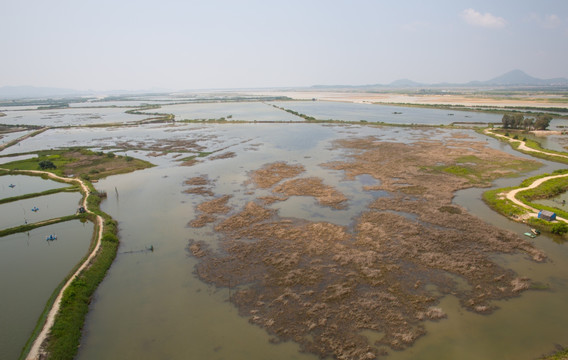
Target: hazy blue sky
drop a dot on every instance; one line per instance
(117, 44)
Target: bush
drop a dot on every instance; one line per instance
(559, 228)
(46, 164)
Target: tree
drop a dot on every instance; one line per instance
(47, 164)
(542, 122)
(507, 121)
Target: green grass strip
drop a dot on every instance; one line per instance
(28, 227)
(43, 193)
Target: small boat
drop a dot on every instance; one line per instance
(51, 237)
(535, 231)
(530, 234)
(12, 186)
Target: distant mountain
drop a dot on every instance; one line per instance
(518, 77)
(405, 83)
(15, 92)
(512, 78)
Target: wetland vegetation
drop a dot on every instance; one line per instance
(360, 289)
(321, 285)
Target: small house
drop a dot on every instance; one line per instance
(546, 215)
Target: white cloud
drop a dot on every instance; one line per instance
(487, 20)
(546, 21)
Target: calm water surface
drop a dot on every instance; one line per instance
(330, 110)
(25, 185)
(19, 212)
(30, 270)
(152, 306)
(232, 111)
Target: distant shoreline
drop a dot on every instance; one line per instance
(483, 100)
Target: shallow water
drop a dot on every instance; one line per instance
(68, 117)
(25, 185)
(194, 320)
(30, 269)
(231, 111)
(21, 212)
(151, 305)
(330, 110)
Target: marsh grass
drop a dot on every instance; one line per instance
(81, 162)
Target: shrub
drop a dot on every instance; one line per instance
(46, 164)
(559, 228)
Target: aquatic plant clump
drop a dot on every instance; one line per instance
(322, 285)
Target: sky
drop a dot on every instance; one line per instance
(216, 44)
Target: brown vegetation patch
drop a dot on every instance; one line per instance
(321, 284)
(226, 155)
(267, 200)
(202, 220)
(164, 145)
(197, 180)
(209, 209)
(189, 162)
(200, 190)
(200, 186)
(270, 174)
(325, 195)
(215, 206)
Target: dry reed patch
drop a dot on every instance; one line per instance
(200, 185)
(325, 195)
(321, 284)
(227, 155)
(165, 145)
(202, 220)
(197, 180)
(271, 174)
(209, 209)
(215, 206)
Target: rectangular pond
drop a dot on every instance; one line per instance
(52, 206)
(18, 185)
(30, 270)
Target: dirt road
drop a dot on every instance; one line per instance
(511, 195)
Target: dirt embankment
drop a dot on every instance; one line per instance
(321, 284)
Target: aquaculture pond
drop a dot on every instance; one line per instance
(231, 111)
(30, 270)
(18, 185)
(39, 208)
(344, 111)
(154, 302)
(68, 117)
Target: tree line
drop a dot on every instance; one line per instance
(519, 121)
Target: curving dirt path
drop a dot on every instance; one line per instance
(36, 350)
(523, 146)
(511, 195)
